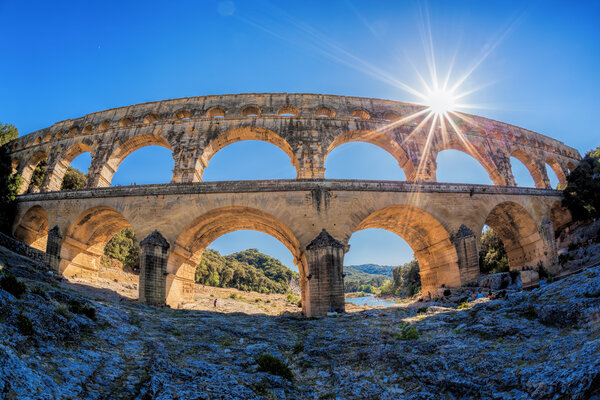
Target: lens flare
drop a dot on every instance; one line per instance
(441, 101)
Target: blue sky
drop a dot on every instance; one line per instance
(66, 59)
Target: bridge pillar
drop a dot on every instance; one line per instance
(153, 269)
(53, 247)
(550, 260)
(325, 282)
(468, 257)
(188, 165)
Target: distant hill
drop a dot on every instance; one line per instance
(360, 278)
(244, 270)
(373, 269)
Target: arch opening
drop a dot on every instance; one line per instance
(519, 234)
(380, 140)
(525, 170)
(198, 235)
(249, 160)
(457, 166)
(32, 229)
(216, 112)
(492, 254)
(68, 171)
(360, 160)
(151, 165)
(250, 134)
(427, 237)
(387, 257)
(360, 114)
(84, 241)
(288, 111)
(325, 112)
(251, 111)
(33, 172)
(556, 174)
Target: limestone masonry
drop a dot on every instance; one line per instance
(441, 222)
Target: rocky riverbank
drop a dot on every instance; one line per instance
(542, 344)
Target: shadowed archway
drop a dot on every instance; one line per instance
(32, 229)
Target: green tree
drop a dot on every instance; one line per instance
(123, 247)
(492, 256)
(37, 177)
(582, 194)
(9, 182)
(74, 179)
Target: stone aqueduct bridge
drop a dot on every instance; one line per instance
(313, 217)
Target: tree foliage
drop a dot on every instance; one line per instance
(492, 256)
(9, 182)
(405, 282)
(37, 177)
(123, 247)
(582, 194)
(74, 179)
(245, 270)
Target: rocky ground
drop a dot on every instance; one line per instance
(543, 344)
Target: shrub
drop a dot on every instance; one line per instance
(12, 285)
(233, 296)
(273, 365)
(463, 306)
(77, 307)
(24, 325)
(407, 332)
(298, 347)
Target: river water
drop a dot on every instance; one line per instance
(370, 301)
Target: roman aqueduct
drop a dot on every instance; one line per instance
(312, 216)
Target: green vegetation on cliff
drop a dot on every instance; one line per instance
(9, 182)
(74, 179)
(245, 270)
(365, 278)
(582, 194)
(124, 248)
(406, 281)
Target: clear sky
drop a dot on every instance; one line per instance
(537, 66)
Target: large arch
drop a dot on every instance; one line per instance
(85, 238)
(203, 230)
(57, 173)
(536, 173)
(126, 148)
(430, 241)
(520, 235)
(476, 152)
(29, 167)
(246, 133)
(32, 228)
(378, 139)
(558, 170)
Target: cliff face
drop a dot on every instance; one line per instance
(542, 344)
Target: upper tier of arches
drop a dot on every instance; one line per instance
(306, 127)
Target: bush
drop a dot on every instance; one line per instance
(273, 365)
(582, 194)
(77, 307)
(24, 325)
(233, 296)
(408, 332)
(12, 285)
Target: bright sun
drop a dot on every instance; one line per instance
(441, 101)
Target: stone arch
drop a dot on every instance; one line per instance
(391, 116)
(57, 173)
(85, 238)
(476, 152)
(127, 147)
(247, 133)
(288, 111)
(104, 125)
(519, 233)
(14, 164)
(378, 139)
(428, 238)
(125, 122)
(151, 118)
(558, 170)
(571, 166)
(216, 112)
(251, 111)
(325, 112)
(360, 114)
(29, 167)
(183, 114)
(32, 228)
(203, 230)
(532, 166)
(87, 129)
